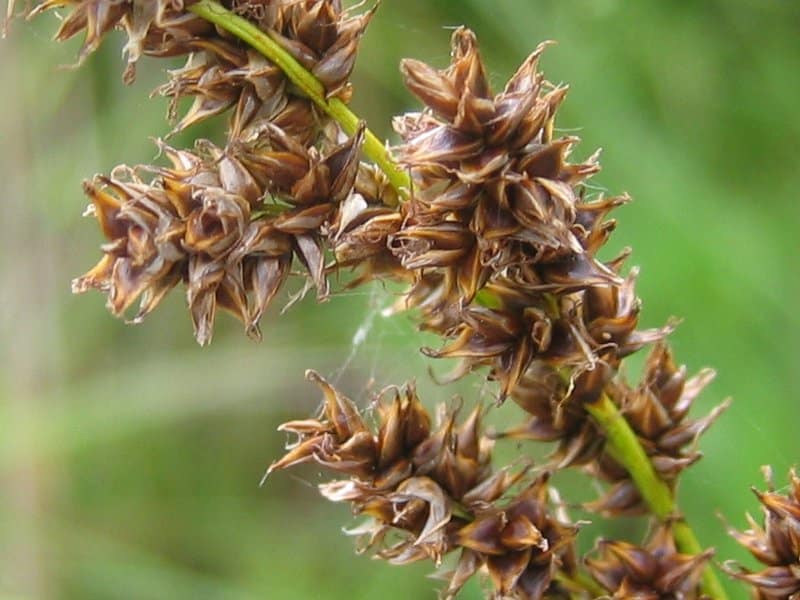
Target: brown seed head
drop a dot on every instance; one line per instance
(653, 572)
(520, 544)
(776, 544)
(227, 222)
(429, 491)
(144, 257)
(499, 233)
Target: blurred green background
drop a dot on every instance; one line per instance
(131, 458)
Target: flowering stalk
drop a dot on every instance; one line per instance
(500, 246)
(775, 544)
(622, 443)
(624, 446)
(247, 32)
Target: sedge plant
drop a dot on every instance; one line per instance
(494, 235)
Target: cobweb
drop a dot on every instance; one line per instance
(366, 335)
(384, 350)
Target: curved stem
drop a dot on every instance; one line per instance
(624, 447)
(243, 29)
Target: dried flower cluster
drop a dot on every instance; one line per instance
(499, 230)
(654, 572)
(497, 238)
(429, 490)
(776, 545)
(503, 244)
(204, 221)
(228, 221)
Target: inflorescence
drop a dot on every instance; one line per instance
(491, 228)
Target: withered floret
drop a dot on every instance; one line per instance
(557, 413)
(319, 34)
(144, 255)
(499, 233)
(210, 220)
(520, 544)
(153, 27)
(429, 490)
(776, 544)
(487, 167)
(229, 221)
(653, 572)
(220, 72)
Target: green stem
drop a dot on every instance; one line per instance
(624, 447)
(243, 29)
(580, 582)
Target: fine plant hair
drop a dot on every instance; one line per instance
(495, 236)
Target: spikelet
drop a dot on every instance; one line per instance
(206, 220)
(653, 572)
(229, 221)
(499, 233)
(776, 544)
(153, 27)
(429, 490)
